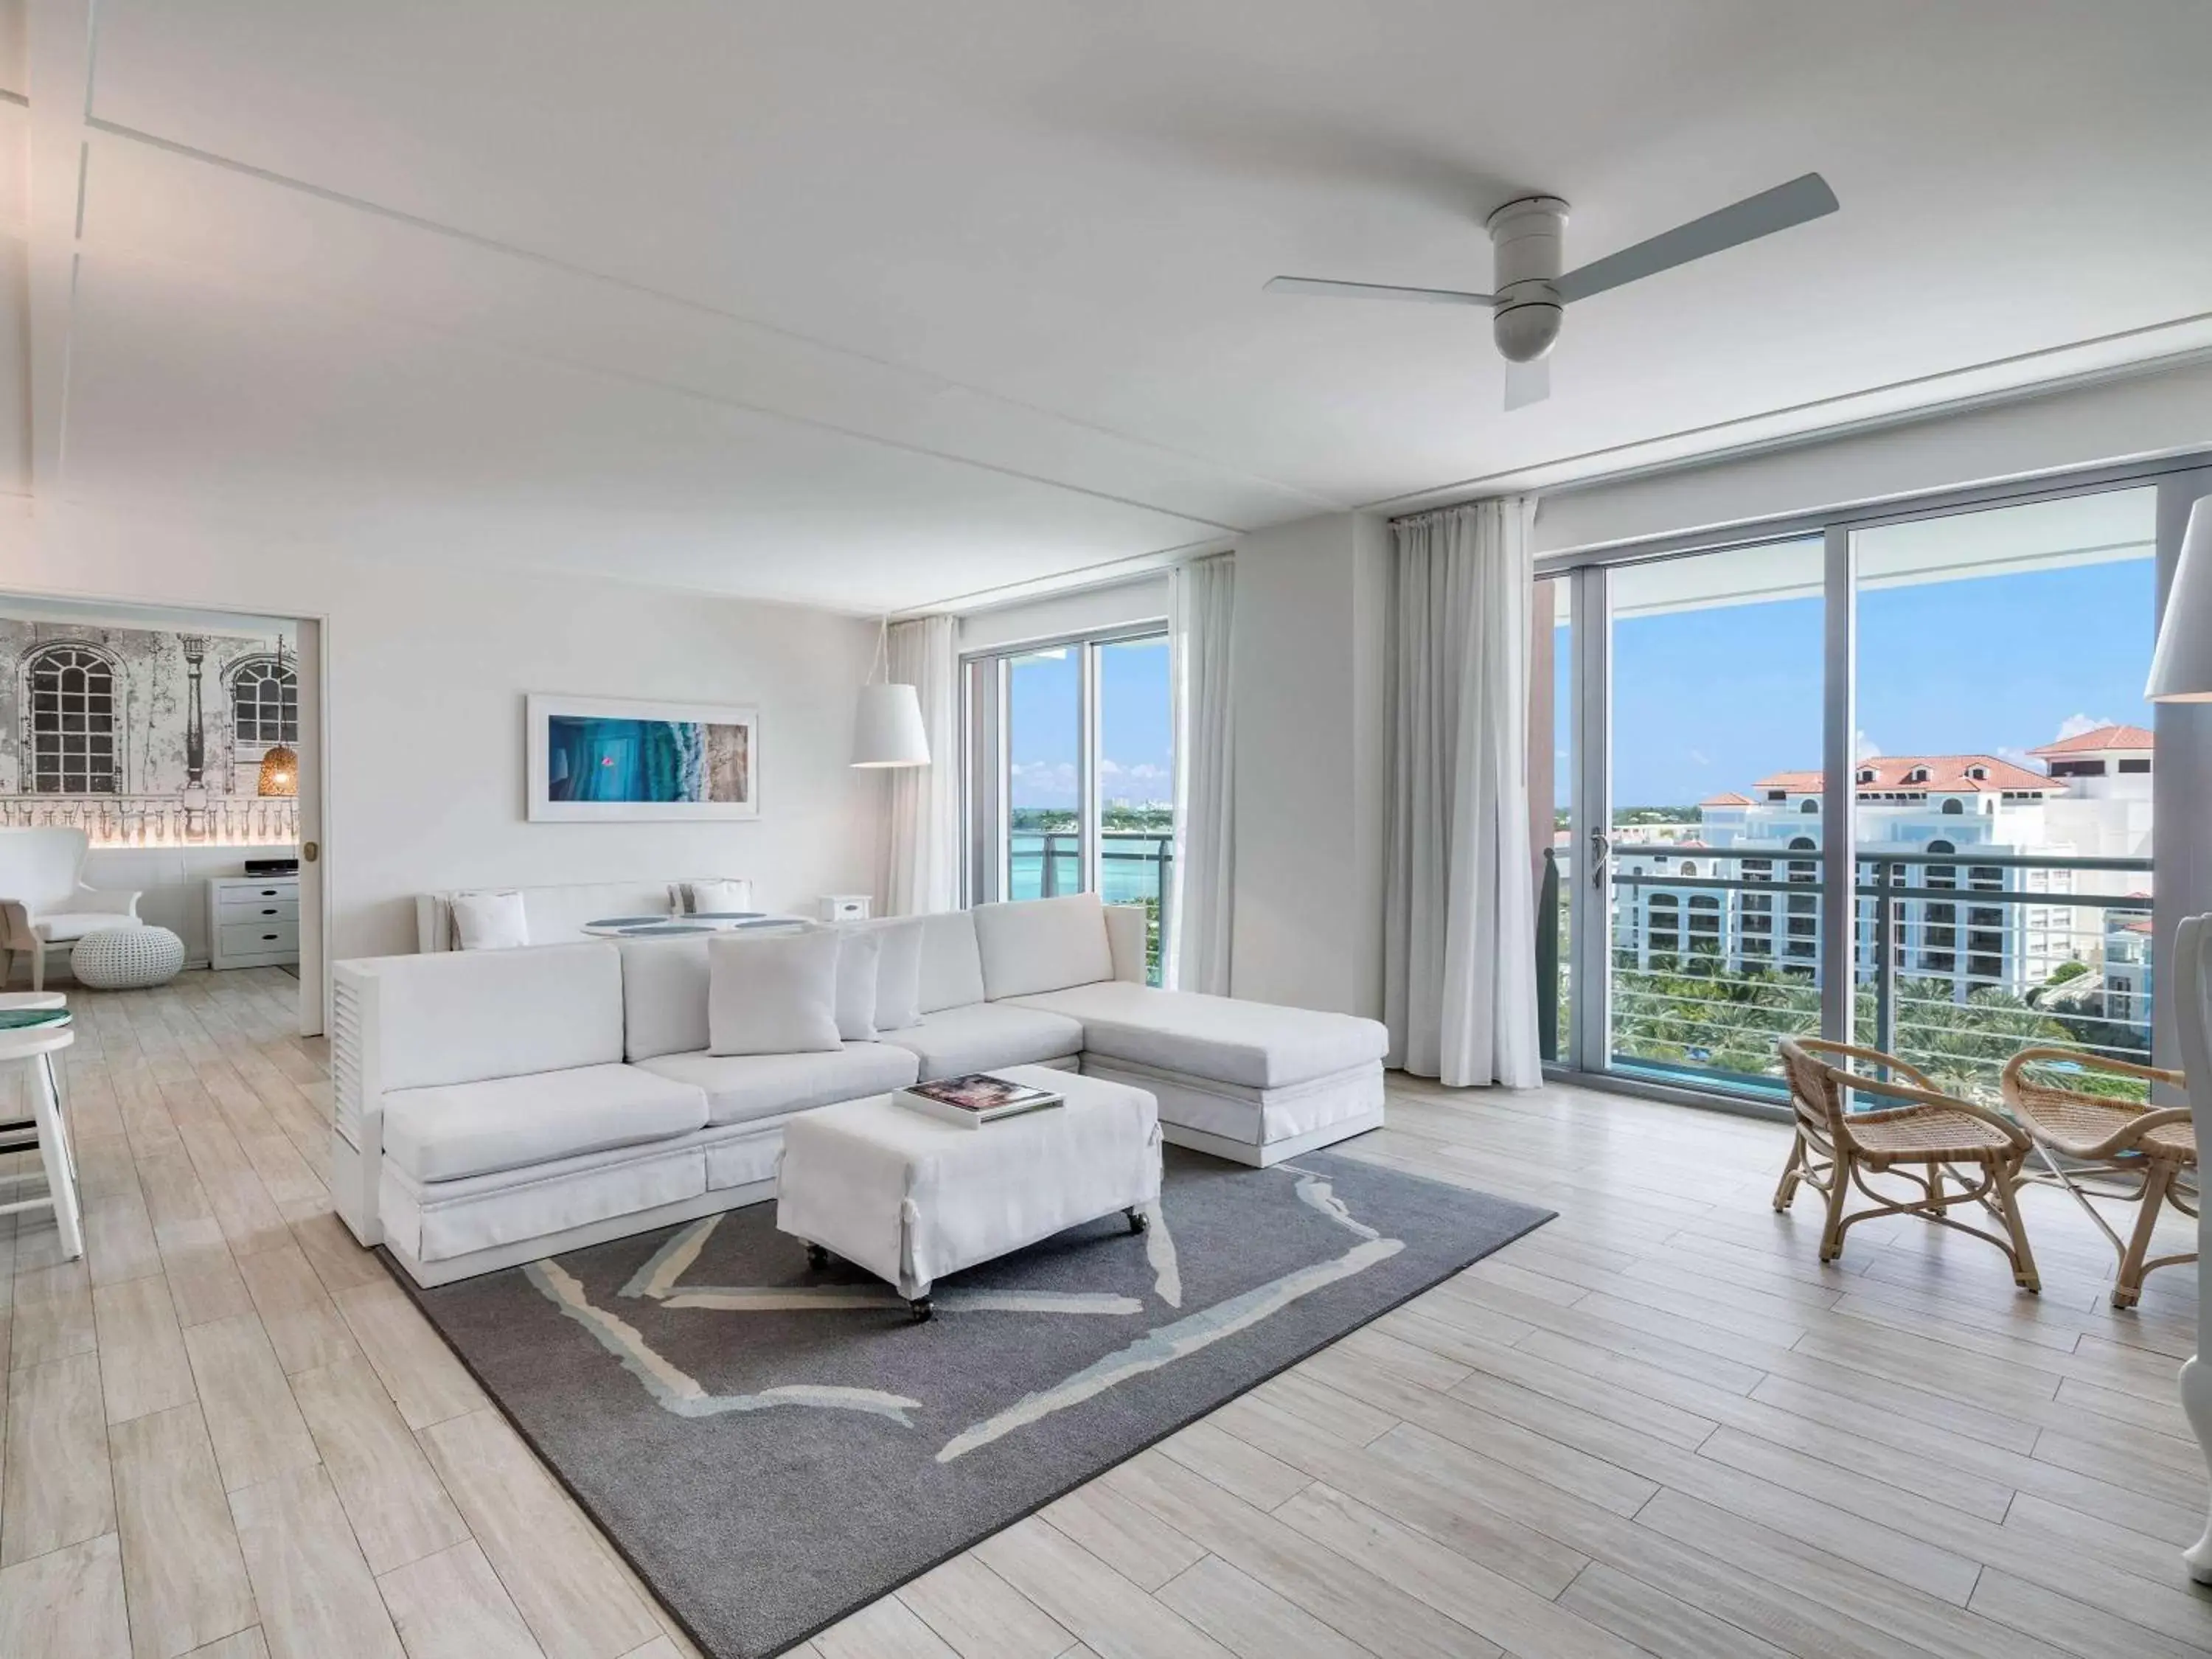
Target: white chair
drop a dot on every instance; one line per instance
(44, 901)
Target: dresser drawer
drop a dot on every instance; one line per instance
(246, 896)
(286, 910)
(253, 939)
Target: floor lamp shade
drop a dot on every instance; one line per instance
(887, 730)
(2181, 672)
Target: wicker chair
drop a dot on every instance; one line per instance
(2114, 1149)
(1928, 1133)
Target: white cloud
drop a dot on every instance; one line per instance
(1700, 758)
(2074, 725)
(1864, 747)
(1055, 779)
(2019, 757)
(1142, 772)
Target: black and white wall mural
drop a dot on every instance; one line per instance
(145, 735)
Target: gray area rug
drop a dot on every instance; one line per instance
(774, 1445)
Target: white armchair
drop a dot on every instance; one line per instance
(44, 901)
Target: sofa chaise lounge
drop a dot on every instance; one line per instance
(495, 1107)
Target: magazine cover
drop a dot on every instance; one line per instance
(979, 1091)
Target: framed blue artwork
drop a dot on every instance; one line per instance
(601, 759)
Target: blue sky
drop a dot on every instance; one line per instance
(1709, 700)
(1713, 700)
(1134, 728)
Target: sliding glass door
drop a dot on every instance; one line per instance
(1071, 774)
(2004, 777)
(1887, 779)
(1714, 851)
(1042, 853)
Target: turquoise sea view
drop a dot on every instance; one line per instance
(1133, 865)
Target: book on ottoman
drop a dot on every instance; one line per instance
(975, 1099)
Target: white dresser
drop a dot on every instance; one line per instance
(254, 921)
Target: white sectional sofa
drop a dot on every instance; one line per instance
(495, 1107)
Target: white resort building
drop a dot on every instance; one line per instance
(1926, 824)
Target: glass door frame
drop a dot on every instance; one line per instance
(986, 814)
(1586, 1057)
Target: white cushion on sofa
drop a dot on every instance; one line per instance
(462, 1015)
(952, 966)
(858, 956)
(664, 996)
(985, 1035)
(772, 994)
(1258, 1044)
(455, 1130)
(898, 971)
(741, 1087)
(489, 921)
(1034, 945)
(691, 898)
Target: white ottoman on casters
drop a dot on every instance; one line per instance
(911, 1199)
(127, 958)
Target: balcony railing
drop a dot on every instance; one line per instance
(1960, 960)
(175, 820)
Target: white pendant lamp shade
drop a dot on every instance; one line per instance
(887, 731)
(2181, 672)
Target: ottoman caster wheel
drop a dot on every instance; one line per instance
(1138, 1221)
(817, 1256)
(919, 1307)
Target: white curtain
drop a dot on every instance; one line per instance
(921, 835)
(1460, 930)
(1204, 878)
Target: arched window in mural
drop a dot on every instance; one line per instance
(72, 702)
(265, 702)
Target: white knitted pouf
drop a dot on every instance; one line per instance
(127, 958)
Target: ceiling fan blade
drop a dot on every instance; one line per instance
(1435, 296)
(1528, 383)
(1793, 204)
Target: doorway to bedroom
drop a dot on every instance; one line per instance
(161, 790)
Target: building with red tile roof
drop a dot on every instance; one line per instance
(2105, 739)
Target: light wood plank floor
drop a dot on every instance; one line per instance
(1657, 1425)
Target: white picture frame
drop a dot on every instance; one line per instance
(560, 739)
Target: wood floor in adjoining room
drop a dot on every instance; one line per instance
(1656, 1425)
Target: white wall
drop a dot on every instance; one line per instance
(2151, 414)
(1311, 747)
(428, 671)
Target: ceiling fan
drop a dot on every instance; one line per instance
(1526, 235)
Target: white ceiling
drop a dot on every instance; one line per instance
(875, 304)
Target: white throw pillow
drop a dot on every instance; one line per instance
(859, 956)
(710, 898)
(898, 974)
(772, 994)
(489, 921)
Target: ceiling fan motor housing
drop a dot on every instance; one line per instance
(1526, 237)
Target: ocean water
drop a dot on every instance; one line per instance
(1132, 867)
